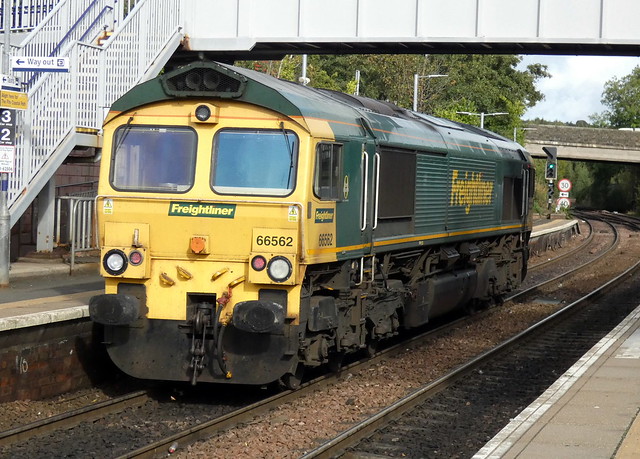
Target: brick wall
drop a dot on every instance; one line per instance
(43, 362)
(72, 178)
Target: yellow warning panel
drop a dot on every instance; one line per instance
(13, 99)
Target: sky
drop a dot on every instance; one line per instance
(575, 88)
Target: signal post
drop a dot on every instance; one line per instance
(550, 174)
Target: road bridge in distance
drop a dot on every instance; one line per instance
(584, 143)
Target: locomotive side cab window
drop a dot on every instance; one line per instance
(153, 159)
(254, 162)
(327, 183)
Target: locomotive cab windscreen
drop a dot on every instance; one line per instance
(254, 162)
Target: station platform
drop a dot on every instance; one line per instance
(47, 291)
(545, 227)
(591, 411)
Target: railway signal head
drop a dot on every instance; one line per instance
(551, 172)
(551, 169)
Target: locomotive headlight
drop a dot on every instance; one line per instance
(115, 262)
(203, 113)
(279, 269)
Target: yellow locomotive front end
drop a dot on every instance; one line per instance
(201, 239)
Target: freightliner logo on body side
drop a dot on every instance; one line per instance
(324, 215)
(470, 189)
(190, 209)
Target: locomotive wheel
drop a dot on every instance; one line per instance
(335, 361)
(292, 381)
(372, 347)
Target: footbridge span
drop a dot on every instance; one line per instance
(584, 143)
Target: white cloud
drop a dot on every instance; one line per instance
(574, 90)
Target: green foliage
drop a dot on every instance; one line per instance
(615, 187)
(622, 97)
(579, 173)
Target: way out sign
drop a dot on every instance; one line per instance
(39, 64)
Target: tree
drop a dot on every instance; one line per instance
(622, 97)
(493, 84)
(616, 186)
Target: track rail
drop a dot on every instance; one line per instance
(73, 418)
(353, 436)
(577, 269)
(215, 426)
(569, 253)
(209, 429)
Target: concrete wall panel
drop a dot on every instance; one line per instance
(508, 18)
(444, 18)
(329, 18)
(570, 19)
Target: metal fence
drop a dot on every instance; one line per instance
(27, 14)
(80, 232)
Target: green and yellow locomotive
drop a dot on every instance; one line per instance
(251, 227)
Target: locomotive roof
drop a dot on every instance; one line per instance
(348, 115)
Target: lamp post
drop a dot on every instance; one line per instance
(482, 115)
(5, 217)
(303, 79)
(515, 131)
(416, 78)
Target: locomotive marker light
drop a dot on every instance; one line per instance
(203, 113)
(135, 258)
(258, 262)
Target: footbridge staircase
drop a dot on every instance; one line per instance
(111, 45)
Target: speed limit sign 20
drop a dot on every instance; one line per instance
(564, 185)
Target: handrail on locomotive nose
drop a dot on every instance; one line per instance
(365, 189)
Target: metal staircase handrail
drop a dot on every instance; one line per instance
(54, 36)
(59, 103)
(55, 25)
(27, 15)
(91, 31)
